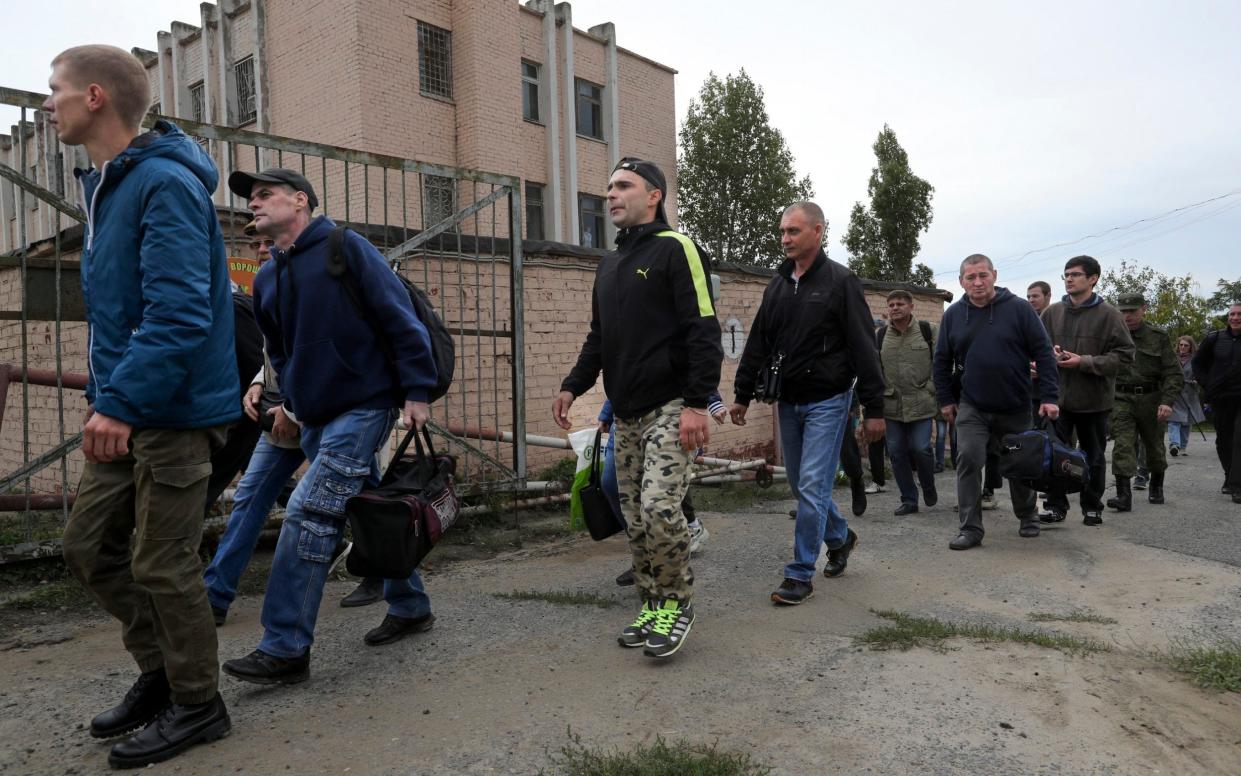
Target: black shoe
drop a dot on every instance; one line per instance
(792, 592)
(1092, 518)
(905, 509)
(838, 558)
(1124, 496)
(218, 615)
(858, 487)
(145, 700)
(1155, 494)
(1236, 497)
(1029, 529)
(939, 468)
(172, 732)
(1226, 489)
(1140, 481)
(1174, 451)
(395, 628)
(930, 497)
(669, 629)
(261, 668)
(626, 579)
(965, 541)
(1051, 516)
(792, 514)
(366, 593)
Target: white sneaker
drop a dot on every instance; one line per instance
(698, 535)
(875, 488)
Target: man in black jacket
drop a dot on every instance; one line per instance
(1217, 366)
(654, 334)
(815, 326)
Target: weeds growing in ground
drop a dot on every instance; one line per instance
(1077, 615)
(559, 598)
(908, 631)
(1214, 666)
(55, 594)
(661, 758)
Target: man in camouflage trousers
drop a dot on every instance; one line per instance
(1145, 392)
(654, 334)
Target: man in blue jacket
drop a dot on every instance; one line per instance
(982, 379)
(342, 386)
(162, 391)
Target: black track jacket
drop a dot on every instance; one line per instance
(824, 327)
(653, 329)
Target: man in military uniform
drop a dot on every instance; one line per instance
(1145, 392)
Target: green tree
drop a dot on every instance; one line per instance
(882, 239)
(1226, 294)
(735, 174)
(1172, 303)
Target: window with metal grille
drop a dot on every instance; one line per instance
(590, 220)
(243, 74)
(589, 109)
(434, 61)
(534, 211)
(530, 90)
(439, 199)
(198, 102)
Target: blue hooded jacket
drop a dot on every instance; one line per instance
(1007, 336)
(155, 280)
(328, 358)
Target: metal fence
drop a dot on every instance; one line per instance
(455, 232)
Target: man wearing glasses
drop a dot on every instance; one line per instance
(1091, 344)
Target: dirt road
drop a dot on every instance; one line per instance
(497, 683)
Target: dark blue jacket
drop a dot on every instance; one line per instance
(327, 357)
(155, 280)
(1007, 336)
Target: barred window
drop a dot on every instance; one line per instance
(589, 109)
(534, 211)
(198, 104)
(434, 61)
(590, 220)
(530, 90)
(243, 74)
(439, 199)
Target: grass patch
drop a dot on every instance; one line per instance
(736, 496)
(661, 758)
(908, 631)
(1077, 615)
(56, 594)
(559, 598)
(1214, 666)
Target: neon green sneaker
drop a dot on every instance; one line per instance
(635, 635)
(671, 626)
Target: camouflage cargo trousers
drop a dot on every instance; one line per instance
(652, 473)
(1133, 418)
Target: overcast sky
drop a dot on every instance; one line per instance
(1038, 124)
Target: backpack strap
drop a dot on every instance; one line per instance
(925, 327)
(879, 337)
(338, 267)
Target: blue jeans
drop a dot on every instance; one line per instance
(910, 443)
(342, 461)
(810, 437)
(941, 441)
(610, 488)
(269, 469)
(1178, 434)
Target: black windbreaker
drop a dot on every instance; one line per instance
(822, 324)
(653, 329)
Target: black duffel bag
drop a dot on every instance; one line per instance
(396, 523)
(1038, 459)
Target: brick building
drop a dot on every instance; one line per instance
(482, 84)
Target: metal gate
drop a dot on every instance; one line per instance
(455, 232)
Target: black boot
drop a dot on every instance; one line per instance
(1124, 496)
(145, 700)
(1155, 494)
(174, 731)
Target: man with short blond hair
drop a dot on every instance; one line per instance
(161, 392)
(982, 380)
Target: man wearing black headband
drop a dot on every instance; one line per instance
(659, 375)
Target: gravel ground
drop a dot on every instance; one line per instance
(498, 683)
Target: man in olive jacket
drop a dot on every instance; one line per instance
(906, 354)
(1091, 343)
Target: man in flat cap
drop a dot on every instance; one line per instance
(1146, 389)
(654, 334)
(344, 381)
